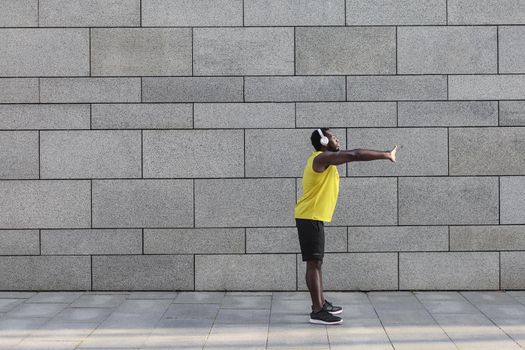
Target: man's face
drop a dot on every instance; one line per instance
(333, 144)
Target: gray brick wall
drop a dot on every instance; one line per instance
(159, 145)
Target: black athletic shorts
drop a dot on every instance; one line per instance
(311, 238)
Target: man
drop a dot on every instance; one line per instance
(320, 185)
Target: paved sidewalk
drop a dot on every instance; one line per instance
(244, 320)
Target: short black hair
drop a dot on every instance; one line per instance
(316, 138)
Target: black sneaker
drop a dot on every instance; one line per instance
(324, 317)
(334, 310)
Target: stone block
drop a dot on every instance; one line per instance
(286, 240)
(44, 52)
(421, 151)
(346, 114)
(345, 50)
(141, 51)
(265, 157)
(44, 204)
(508, 237)
(193, 153)
(512, 270)
(244, 115)
(487, 151)
(245, 272)
(294, 13)
(485, 12)
(397, 238)
(244, 202)
(446, 49)
(19, 155)
(143, 272)
(355, 271)
(448, 113)
(18, 13)
(90, 154)
(19, 90)
(400, 12)
(90, 242)
(142, 203)
(45, 273)
(486, 87)
(243, 51)
(194, 241)
(396, 87)
(192, 89)
(142, 116)
(37, 116)
(90, 90)
(181, 13)
(449, 270)
(19, 242)
(511, 47)
(294, 88)
(512, 199)
(448, 200)
(512, 113)
(89, 13)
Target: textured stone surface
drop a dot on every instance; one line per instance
(449, 270)
(346, 114)
(19, 154)
(392, 238)
(243, 51)
(446, 50)
(142, 203)
(244, 115)
(44, 52)
(355, 271)
(192, 89)
(511, 47)
(245, 272)
(420, 151)
(345, 50)
(508, 237)
(400, 12)
(487, 151)
(512, 113)
(141, 51)
(90, 154)
(141, 116)
(486, 87)
(294, 13)
(512, 270)
(442, 200)
(44, 204)
(485, 12)
(32, 116)
(512, 200)
(193, 153)
(244, 202)
(286, 240)
(141, 272)
(83, 242)
(19, 242)
(399, 87)
(45, 273)
(18, 13)
(448, 113)
(63, 90)
(192, 13)
(19, 90)
(298, 88)
(194, 241)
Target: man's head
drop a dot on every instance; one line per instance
(333, 142)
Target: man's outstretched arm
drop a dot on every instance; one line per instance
(322, 161)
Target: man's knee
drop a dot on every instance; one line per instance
(314, 264)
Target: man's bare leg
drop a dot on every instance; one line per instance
(315, 284)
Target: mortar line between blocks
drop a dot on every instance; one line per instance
(499, 269)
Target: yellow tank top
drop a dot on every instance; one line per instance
(320, 191)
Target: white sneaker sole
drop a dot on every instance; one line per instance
(324, 322)
(336, 312)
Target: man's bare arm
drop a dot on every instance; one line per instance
(325, 159)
